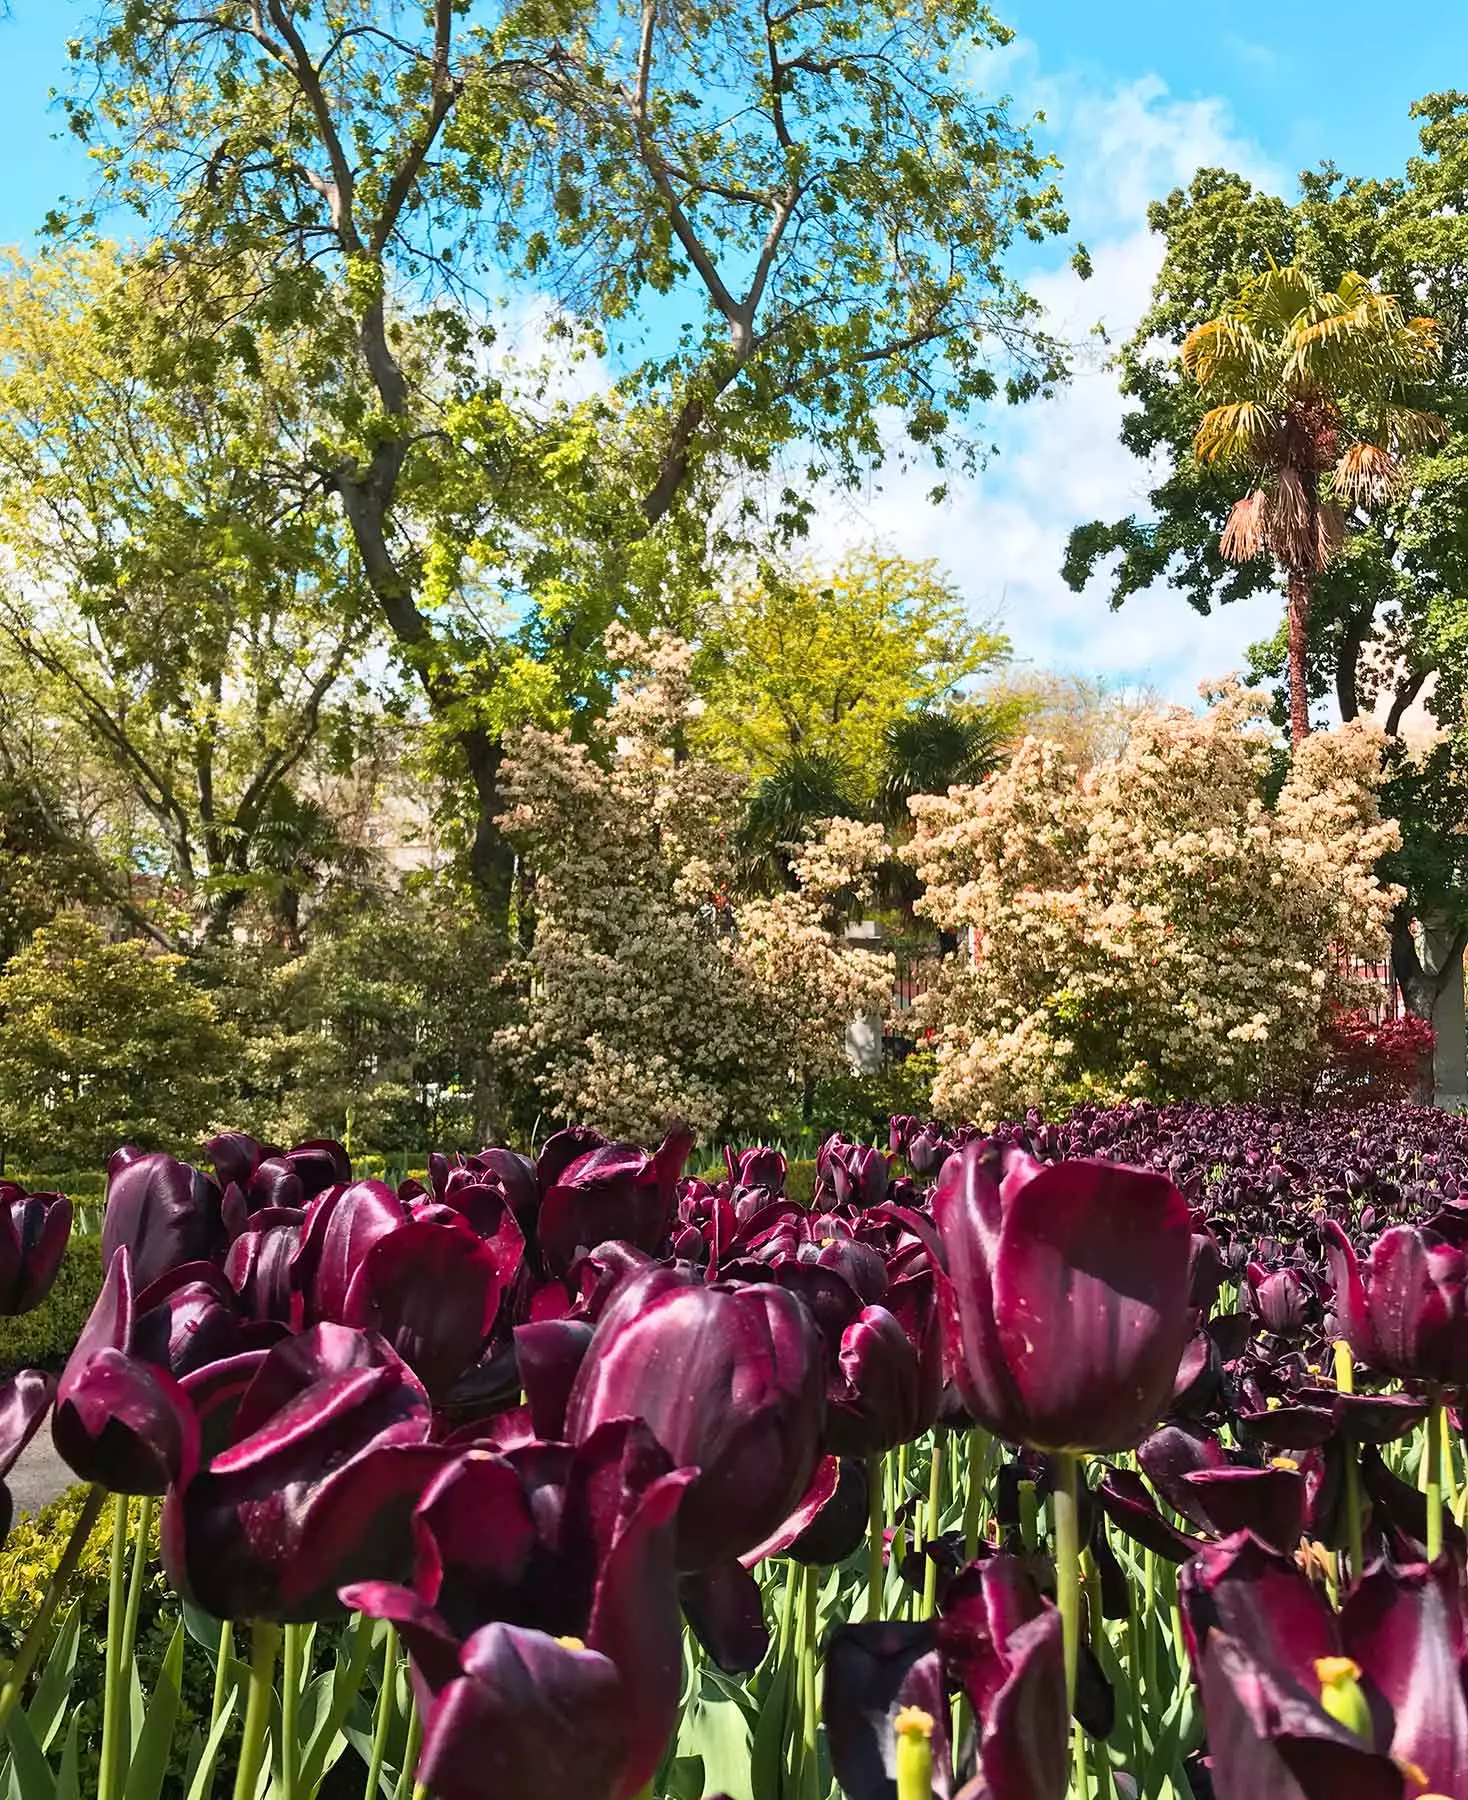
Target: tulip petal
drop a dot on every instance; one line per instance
(1264, 1603)
(1268, 1502)
(872, 1672)
(1269, 1741)
(548, 1355)
(433, 1292)
(1105, 1249)
(531, 1717)
(1402, 1628)
(822, 1488)
(725, 1612)
(1024, 1750)
(1122, 1495)
(969, 1217)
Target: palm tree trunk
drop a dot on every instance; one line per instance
(1298, 616)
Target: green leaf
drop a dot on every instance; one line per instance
(768, 1753)
(45, 1710)
(718, 1731)
(204, 1774)
(326, 1742)
(68, 1776)
(31, 1777)
(152, 1745)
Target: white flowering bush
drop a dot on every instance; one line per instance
(651, 992)
(1151, 927)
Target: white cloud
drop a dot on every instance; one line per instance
(1061, 463)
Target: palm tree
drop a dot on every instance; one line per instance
(932, 750)
(805, 788)
(1311, 389)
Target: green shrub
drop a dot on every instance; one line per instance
(43, 1338)
(800, 1182)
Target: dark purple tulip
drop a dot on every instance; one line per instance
(889, 1379)
(24, 1402)
(757, 1167)
(728, 1380)
(541, 1714)
(187, 1318)
(998, 1642)
(1405, 1310)
(327, 1454)
(34, 1229)
(1280, 1672)
(433, 1291)
(164, 1211)
(1065, 1302)
(119, 1420)
(1279, 1300)
(612, 1191)
(342, 1225)
(855, 1175)
(258, 1264)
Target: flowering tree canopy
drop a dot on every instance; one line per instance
(1153, 926)
(651, 991)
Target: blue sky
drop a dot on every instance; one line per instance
(1137, 94)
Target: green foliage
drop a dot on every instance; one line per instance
(43, 1338)
(103, 1044)
(378, 1034)
(800, 1180)
(824, 663)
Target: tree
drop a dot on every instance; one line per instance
(1387, 624)
(380, 1033)
(172, 594)
(820, 254)
(1310, 389)
(1151, 928)
(822, 664)
(103, 1044)
(650, 991)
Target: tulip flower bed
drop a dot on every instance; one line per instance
(1113, 1457)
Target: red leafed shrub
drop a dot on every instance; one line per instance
(1362, 1058)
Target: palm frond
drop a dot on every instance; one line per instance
(1412, 428)
(1240, 431)
(1224, 352)
(1274, 299)
(1243, 537)
(1287, 525)
(1330, 532)
(1366, 475)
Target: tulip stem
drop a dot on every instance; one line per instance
(403, 1787)
(264, 1641)
(40, 1626)
(876, 1545)
(221, 1670)
(1435, 1475)
(290, 1710)
(1345, 1381)
(810, 1714)
(1064, 1501)
(109, 1775)
(142, 1547)
(934, 1522)
(383, 1716)
(973, 1500)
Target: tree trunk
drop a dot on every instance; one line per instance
(1298, 616)
(1421, 986)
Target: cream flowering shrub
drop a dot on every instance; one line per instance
(1152, 926)
(650, 992)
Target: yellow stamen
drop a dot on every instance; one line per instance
(571, 1643)
(912, 1721)
(1341, 1695)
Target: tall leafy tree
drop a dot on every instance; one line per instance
(823, 661)
(778, 226)
(1311, 390)
(1388, 624)
(175, 592)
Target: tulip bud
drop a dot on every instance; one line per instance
(913, 1729)
(1341, 1695)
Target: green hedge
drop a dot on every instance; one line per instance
(43, 1338)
